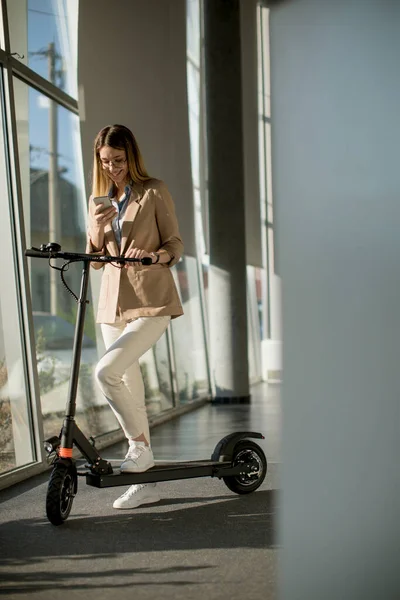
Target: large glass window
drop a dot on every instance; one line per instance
(44, 201)
(266, 207)
(188, 335)
(156, 373)
(16, 439)
(254, 322)
(43, 36)
(195, 74)
(270, 282)
(189, 331)
(55, 210)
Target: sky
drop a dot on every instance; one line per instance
(44, 18)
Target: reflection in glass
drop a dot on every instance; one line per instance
(16, 448)
(55, 210)
(15, 439)
(269, 280)
(188, 335)
(254, 305)
(156, 373)
(189, 330)
(44, 34)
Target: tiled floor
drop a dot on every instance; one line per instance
(195, 434)
(201, 540)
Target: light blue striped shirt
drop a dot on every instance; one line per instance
(121, 208)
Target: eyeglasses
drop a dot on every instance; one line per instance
(113, 163)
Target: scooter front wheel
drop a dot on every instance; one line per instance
(249, 454)
(61, 491)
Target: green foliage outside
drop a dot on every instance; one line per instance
(46, 364)
(90, 325)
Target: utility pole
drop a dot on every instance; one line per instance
(53, 194)
(54, 209)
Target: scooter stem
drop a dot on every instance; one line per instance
(68, 428)
(77, 348)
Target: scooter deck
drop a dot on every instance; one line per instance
(167, 471)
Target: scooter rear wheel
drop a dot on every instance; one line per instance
(250, 454)
(61, 492)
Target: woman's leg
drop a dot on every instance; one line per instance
(118, 371)
(132, 377)
(136, 495)
(110, 333)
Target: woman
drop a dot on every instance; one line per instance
(136, 302)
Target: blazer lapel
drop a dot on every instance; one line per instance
(130, 214)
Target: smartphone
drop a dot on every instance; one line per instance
(103, 200)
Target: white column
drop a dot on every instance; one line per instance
(139, 81)
(336, 175)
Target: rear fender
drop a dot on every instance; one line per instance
(224, 450)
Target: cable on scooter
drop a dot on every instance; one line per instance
(56, 248)
(65, 267)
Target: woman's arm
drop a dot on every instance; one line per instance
(97, 219)
(171, 248)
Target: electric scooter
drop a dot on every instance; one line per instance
(238, 461)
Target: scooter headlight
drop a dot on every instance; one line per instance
(51, 444)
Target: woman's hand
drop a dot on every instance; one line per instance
(103, 216)
(137, 253)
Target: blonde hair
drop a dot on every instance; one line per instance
(120, 138)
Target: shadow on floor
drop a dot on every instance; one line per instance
(219, 522)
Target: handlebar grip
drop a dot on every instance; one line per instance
(36, 253)
(146, 260)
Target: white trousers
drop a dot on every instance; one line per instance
(118, 371)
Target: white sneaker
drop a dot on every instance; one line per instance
(138, 459)
(137, 495)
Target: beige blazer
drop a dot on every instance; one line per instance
(149, 223)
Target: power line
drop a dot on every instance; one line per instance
(43, 12)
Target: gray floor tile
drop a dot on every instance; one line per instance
(200, 540)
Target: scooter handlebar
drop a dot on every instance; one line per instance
(77, 256)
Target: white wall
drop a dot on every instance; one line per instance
(336, 176)
(132, 70)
